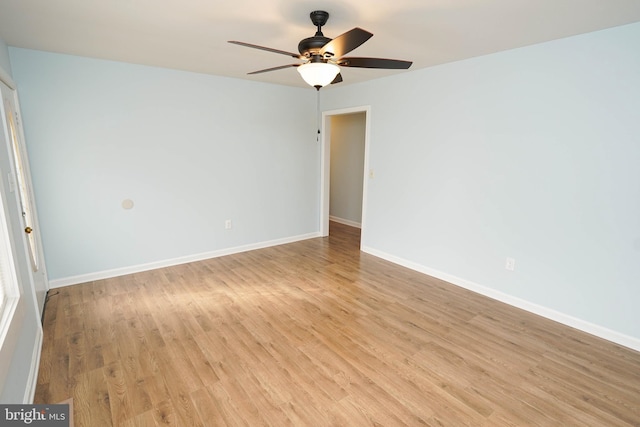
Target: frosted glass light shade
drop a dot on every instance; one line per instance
(318, 73)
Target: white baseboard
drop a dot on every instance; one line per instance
(107, 274)
(32, 381)
(582, 325)
(345, 221)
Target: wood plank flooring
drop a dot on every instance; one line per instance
(316, 333)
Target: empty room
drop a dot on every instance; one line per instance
(320, 213)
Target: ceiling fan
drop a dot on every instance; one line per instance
(323, 56)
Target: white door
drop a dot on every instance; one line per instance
(12, 305)
(19, 179)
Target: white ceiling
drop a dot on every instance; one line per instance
(192, 34)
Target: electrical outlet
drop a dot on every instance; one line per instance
(510, 264)
(228, 225)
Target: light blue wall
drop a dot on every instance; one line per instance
(190, 150)
(533, 154)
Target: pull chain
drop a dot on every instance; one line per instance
(318, 113)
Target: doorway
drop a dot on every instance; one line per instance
(352, 197)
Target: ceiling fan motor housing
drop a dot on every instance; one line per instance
(312, 45)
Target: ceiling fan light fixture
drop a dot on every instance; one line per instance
(318, 74)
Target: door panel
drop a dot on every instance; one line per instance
(12, 304)
(20, 183)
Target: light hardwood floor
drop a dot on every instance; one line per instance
(315, 333)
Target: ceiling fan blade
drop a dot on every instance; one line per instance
(346, 42)
(268, 49)
(281, 67)
(394, 64)
(338, 79)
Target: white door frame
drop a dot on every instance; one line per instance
(21, 328)
(39, 279)
(325, 166)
